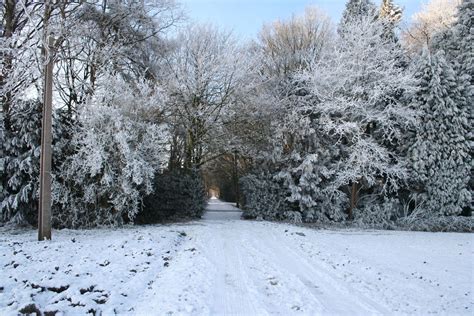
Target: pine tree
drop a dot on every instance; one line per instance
(355, 11)
(20, 163)
(458, 44)
(20, 160)
(464, 31)
(356, 102)
(440, 153)
(391, 11)
(391, 14)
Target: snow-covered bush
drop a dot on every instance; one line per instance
(265, 198)
(177, 194)
(378, 214)
(437, 224)
(117, 153)
(306, 181)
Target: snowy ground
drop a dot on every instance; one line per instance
(223, 265)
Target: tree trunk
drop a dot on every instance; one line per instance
(9, 18)
(354, 198)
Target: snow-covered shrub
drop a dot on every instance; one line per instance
(117, 153)
(177, 194)
(377, 214)
(438, 224)
(306, 180)
(265, 198)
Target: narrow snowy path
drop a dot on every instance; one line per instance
(222, 265)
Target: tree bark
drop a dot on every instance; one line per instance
(354, 198)
(9, 18)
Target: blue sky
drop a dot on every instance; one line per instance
(245, 17)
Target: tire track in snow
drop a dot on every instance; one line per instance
(335, 296)
(233, 292)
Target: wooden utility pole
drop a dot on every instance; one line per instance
(44, 214)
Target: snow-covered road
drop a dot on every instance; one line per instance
(222, 265)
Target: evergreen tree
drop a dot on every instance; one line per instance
(458, 44)
(20, 160)
(357, 87)
(19, 163)
(391, 14)
(464, 29)
(355, 11)
(178, 193)
(464, 33)
(440, 154)
(391, 11)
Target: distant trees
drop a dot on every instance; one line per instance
(287, 46)
(205, 71)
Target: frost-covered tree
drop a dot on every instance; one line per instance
(344, 122)
(457, 43)
(287, 46)
(434, 17)
(119, 148)
(356, 89)
(20, 160)
(266, 198)
(19, 67)
(101, 37)
(354, 12)
(19, 135)
(464, 34)
(391, 14)
(205, 72)
(20, 163)
(389, 10)
(440, 155)
(92, 39)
